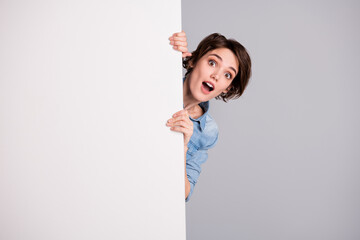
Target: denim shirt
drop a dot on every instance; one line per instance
(204, 137)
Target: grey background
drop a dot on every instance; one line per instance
(287, 162)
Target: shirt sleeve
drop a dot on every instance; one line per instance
(194, 159)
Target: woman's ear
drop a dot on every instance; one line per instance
(191, 64)
(227, 89)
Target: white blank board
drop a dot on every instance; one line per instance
(86, 88)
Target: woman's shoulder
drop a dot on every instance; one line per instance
(211, 131)
(205, 138)
(211, 126)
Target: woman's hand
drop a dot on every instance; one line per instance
(178, 40)
(180, 122)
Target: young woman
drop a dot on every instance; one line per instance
(219, 68)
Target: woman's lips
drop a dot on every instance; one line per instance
(207, 87)
(204, 90)
(211, 84)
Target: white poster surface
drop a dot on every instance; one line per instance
(86, 88)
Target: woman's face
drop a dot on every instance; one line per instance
(213, 74)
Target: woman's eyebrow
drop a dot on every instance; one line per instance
(213, 54)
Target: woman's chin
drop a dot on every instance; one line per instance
(203, 98)
(204, 94)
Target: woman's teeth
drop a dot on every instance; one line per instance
(211, 86)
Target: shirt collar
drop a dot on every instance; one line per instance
(202, 119)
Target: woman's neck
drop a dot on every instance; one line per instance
(190, 103)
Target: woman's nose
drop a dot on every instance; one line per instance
(215, 76)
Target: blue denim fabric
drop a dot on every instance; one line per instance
(204, 137)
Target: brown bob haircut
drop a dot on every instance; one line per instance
(214, 41)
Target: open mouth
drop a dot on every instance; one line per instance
(208, 86)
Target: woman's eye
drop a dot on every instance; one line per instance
(228, 75)
(212, 63)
